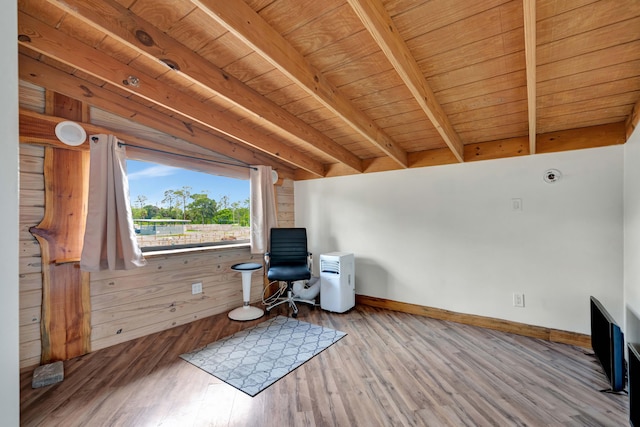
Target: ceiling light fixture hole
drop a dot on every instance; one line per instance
(171, 64)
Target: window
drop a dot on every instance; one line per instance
(180, 208)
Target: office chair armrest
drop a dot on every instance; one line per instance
(267, 258)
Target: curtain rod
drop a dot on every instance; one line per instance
(120, 144)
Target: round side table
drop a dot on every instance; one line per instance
(246, 312)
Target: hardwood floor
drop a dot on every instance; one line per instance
(392, 369)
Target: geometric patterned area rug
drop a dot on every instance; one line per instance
(253, 359)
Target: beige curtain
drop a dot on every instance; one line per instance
(109, 240)
(263, 208)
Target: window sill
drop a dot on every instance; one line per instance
(182, 251)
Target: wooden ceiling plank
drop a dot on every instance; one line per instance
(376, 19)
(587, 18)
(549, 8)
(192, 31)
(162, 13)
(501, 117)
(387, 94)
(288, 94)
(485, 87)
(51, 42)
(490, 112)
(592, 92)
(251, 66)
(529, 7)
(250, 27)
(407, 117)
(44, 75)
(465, 54)
(349, 49)
(267, 82)
(224, 50)
(587, 119)
(494, 99)
(600, 77)
(279, 13)
(598, 39)
(587, 63)
(481, 34)
(123, 25)
(323, 30)
(561, 126)
(429, 16)
(579, 107)
(410, 127)
(400, 107)
(362, 69)
(377, 83)
(399, 113)
(481, 73)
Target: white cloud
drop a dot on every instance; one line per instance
(153, 172)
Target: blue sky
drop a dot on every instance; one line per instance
(152, 180)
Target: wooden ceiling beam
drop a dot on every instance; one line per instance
(201, 142)
(243, 22)
(53, 43)
(633, 119)
(582, 138)
(378, 22)
(36, 128)
(529, 9)
(123, 25)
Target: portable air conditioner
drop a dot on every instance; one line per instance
(337, 281)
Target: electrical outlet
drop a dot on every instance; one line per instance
(518, 300)
(196, 288)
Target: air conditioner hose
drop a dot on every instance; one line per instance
(308, 291)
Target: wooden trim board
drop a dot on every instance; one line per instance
(554, 335)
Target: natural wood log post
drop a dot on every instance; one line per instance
(66, 309)
(65, 324)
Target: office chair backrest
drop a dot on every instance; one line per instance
(288, 246)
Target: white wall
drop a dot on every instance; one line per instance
(632, 237)
(447, 236)
(9, 356)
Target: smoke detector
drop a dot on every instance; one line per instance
(552, 176)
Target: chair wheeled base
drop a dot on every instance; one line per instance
(291, 300)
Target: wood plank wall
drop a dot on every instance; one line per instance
(134, 303)
(30, 269)
(31, 213)
(285, 205)
(127, 305)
